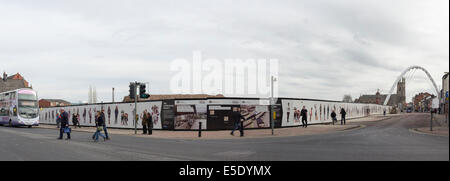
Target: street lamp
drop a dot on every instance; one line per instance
(273, 79)
(113, 94)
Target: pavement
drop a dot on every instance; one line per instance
(440, 126)
(225, 134)
(438, 131)
(383, 140)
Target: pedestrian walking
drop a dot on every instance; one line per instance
(333, 116)
(99, 122)
(343, 113)
(238, 123)
(102, 114)
(64, 119)
(304, 114)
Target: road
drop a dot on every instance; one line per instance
(381, 140)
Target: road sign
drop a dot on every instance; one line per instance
(435, 104)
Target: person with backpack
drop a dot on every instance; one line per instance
(64, 117)
(99, 122)
(343, 113)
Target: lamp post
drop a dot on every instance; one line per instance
(113, 94)
(135, 107)
(272, 121)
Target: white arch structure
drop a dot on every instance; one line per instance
(403, 74)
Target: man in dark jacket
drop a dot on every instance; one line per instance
(343, 113)
(333, 116)
(147, 123)
(304, 114)
(64, 124)
(104, 124)
(238, 124)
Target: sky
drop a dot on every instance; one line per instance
(325, 48)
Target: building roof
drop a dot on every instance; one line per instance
(56, 100)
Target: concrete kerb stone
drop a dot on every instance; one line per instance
(417, 131)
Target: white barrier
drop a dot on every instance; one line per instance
(189, 113)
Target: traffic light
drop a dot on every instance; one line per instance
(142, 92)
(132, 91)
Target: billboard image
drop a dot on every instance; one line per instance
(189, 114)
(320, 111)
(256, 116)
(118, 115)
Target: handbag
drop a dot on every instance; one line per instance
(67, 130)
(99, 128)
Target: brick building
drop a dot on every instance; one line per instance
(16, 81)
(45, 103)
(422, 101)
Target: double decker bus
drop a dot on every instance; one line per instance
(19, 108)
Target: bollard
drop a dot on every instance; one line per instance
(431, 121)
(242, 128)
(200, 130)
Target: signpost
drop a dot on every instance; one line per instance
(434, 106)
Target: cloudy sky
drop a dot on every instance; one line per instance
(326, 48)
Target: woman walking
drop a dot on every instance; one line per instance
(99, 122)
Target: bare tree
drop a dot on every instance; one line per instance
(347, 98)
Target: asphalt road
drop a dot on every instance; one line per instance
(382, 140)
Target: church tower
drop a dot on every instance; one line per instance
(401, 91)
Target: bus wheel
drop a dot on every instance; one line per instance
(29, 126)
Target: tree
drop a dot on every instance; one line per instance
(347, 98)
